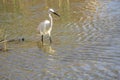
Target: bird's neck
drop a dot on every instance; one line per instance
(51, 20)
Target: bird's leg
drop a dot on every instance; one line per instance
(50, 39)
(42, 38)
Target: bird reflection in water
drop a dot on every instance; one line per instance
(45, 47)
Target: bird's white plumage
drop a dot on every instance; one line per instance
(47, 21)
(44, 27)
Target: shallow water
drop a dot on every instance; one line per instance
(85, 40)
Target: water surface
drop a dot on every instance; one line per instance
(85, 40)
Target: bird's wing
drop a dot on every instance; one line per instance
(44, 27)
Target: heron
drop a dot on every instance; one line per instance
(45, 27)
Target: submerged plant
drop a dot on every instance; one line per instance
(3, 38)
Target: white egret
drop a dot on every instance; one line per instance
(45, 27)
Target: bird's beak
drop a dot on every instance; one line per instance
(56, 14)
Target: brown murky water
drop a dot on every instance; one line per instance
(86, 41)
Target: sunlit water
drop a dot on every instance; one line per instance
(85, 46)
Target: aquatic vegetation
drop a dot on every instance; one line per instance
(3, 38)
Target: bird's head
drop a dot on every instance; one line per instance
(52, 11)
